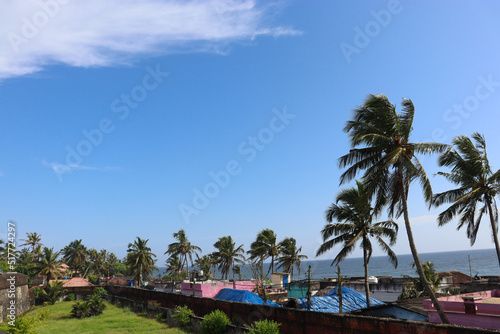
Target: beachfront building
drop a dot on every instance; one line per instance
(478, 309)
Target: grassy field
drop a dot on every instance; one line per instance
(114, 320)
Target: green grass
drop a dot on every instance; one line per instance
(113, 320)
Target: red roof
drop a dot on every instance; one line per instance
(77, 281)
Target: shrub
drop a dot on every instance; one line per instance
(52, 293)
(215, 323)
(183, 316)
(80, 309)
(88, 308)
(23, 325)
(264, 327)
(101, 292)
(97, 305)
(71, 297)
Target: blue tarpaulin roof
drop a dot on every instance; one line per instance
(242, 296)
(351, 300)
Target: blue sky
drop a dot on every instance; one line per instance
(115, 116)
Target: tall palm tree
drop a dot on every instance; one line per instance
(227, 254)
(183, 248)
(141, 259)
(478, 185)
(75, 255)
(354, 215)
(265, 247)
(380, 138)
(33, 241)
(290, 256)
(48, 264)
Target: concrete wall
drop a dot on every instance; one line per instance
(14, 297)
(293, 321)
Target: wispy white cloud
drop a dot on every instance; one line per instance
(93, 33)
(61, 169)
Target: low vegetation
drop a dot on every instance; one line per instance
(114, 320)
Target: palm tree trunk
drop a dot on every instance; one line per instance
(367, 285)
(494, 230)
(418, 264)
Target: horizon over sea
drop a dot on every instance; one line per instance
(483, 262)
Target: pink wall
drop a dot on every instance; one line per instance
(210, 290)
(478, 314)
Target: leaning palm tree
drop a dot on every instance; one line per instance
(380, 138)
(48, 264)
(182, 248)
(264, 247)
(478, 185)
(227, 254)
(354, 215)
(290, 256)
(141, 260)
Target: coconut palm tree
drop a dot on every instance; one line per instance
(227, 254)
(75, 255)
(182, 248)
(48, 263)
(264, 247)
(141, 260)
(290, 256)
(380, 138)
(33, 241)
(354, 215)
(204, 263)
(477, 186)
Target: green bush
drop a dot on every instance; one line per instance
(23, 325)
(80, 309)
(71, 297)
(183, 316)
(88, 308)
(215, 323)
(101, 292)
(264, 327)
(97, 305)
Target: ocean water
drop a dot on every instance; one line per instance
(483, 263)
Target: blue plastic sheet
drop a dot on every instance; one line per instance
(351, 300)
(242, 296)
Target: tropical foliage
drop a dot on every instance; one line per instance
(477, 184)
(290, 256)
(354, 214)
(182, 248)
(227, 254)
(382, 148)
(415, 288)
(141, 260)
(265, 247)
